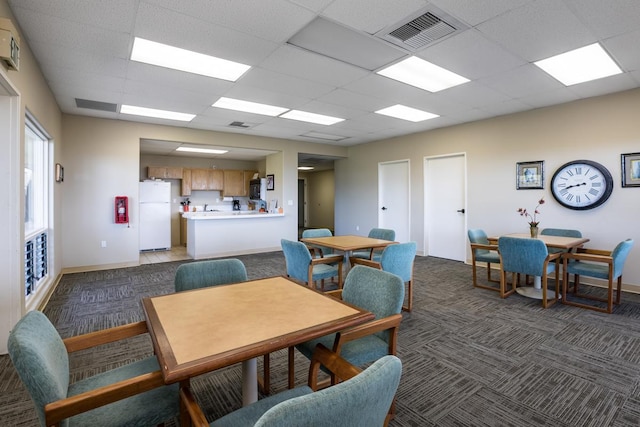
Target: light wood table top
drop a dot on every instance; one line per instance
(551, 241)
(198, 331)
(348, 243)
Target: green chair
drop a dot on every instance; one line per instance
(396, 259)
(600, 264)
(315, 249)
(131, 395)
(362, 399)
(376, 233)
(301, 266)
(202, 274)
(483, 251)
(529, 257)
(377, 291)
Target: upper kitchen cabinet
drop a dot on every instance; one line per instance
(164, 172)
(186, 182)
(236, 182)
(207, 179)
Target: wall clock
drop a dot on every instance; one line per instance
(581, 184)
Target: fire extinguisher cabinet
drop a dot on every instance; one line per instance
(122, 209)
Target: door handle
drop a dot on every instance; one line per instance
(384, 208)
(460, 210)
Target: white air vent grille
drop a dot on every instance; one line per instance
(416, 32)
(242, 125)
(96, 105)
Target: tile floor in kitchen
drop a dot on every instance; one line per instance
(177, 253)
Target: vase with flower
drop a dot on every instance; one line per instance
(532, 219)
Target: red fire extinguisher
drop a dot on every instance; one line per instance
(122, 209)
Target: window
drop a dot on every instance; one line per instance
(37, 182)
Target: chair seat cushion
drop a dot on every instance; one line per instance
(151, 408)
(324, 271)
(490, 257)
(359, 352)
(249, 415)
(600, 271)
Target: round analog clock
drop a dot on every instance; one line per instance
(581, 184)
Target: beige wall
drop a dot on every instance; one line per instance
(598, 129)
(321, 199)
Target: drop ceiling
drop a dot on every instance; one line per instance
(83, 48)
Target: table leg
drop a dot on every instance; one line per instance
(249, 382)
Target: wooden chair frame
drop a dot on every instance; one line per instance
(594, 255)
(59, 410)
(515, 278)
(501, 288)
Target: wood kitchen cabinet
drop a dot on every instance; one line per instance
(164, 172)
(207, 179)
(236, 182)
(183, 231)
(185, 189)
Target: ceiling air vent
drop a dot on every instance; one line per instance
(416, 32)
(96, 105)
(242, 125)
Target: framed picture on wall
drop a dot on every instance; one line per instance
(270, 183)
(631, 170)
(530, 175)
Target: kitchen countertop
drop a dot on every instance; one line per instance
(228, 215)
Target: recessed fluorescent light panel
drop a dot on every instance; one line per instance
(201, 150)
(305, 168)
(159, 114)
(249, 107)
(422, 74)
(185, 60)
(580, 65)
(327, 136)
(407, 113)
(304, 116)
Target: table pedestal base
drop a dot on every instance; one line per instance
(249, 382)
(536, 291)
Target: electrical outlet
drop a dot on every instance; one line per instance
(103, 244)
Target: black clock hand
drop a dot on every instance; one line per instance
(577, 185)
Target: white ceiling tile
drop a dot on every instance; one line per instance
(545, 99)
(313, 5)
(624, 50)
(353, 100)
(478, 11)
(607, 18)
(603, 86)
(538, 30)
(371, 16)
(522, 81)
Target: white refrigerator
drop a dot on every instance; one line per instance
(155, 215)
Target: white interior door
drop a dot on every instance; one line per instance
(394, 203)
(445, 201)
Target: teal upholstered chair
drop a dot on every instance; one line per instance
(376, 233)
(301, 266)
(483, 251)
(397, 259)
(201, 274)
(561, 232)
(600, 264)
(315, 249)
(530, 257)
(113, 398)
(374, 290)
(362, 399)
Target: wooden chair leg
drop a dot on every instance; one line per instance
(409, 305)
(265, 384)
(291, 367)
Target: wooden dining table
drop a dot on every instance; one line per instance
(198, 331)
(559, 242)
(348, 243)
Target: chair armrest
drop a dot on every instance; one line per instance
(554, 256)
(584, 256)
(328, 260)
(482, 246)
(593, 251)
(83, 402)
(334, 364)
(105, 336)
(366, 262)
(189, 405)
(365, 329)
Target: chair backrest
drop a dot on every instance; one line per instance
(361, 401)
(398, 259)
(524, 256)
(562, 232)
(201, 274)
(297, 258)
(382, 233)
(319, 232)
(477, 235)
(41, 360)
(619, 256)
(377, 291)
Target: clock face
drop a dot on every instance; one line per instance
(581, 184)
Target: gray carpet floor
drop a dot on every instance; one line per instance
(469, 357)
